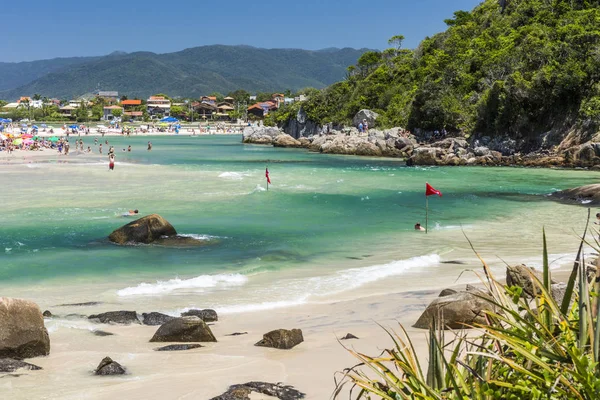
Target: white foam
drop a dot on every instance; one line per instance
(268, 305)
(236, 176)
(198, 236)
(197, 283)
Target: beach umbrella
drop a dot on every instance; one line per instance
(26, 136)
(168, 119)
(44, 126)
(28, 141)
(73, 127)
(35, 127)
(53, 139)
(24, 125)
(112, 122)
(17, 141)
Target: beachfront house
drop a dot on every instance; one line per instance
(108, 114)
(131, 109)
(66, 111)
(262, 109)
(204, 109)
(110, 97)
(229, 100)
(209, 100)
(158, 106)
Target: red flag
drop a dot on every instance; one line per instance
(267, 175)
(430, 191)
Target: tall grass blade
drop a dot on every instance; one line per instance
(546, 269)
(564, 308)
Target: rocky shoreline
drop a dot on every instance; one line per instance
(425, 151)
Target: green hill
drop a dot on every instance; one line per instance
(525, 69)
(194, 72)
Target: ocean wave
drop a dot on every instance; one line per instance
(197, 283)
(268, 305)
(236, 176)
(199, 236)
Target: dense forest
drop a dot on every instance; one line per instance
(519, 68)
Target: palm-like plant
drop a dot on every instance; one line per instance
(529, 348)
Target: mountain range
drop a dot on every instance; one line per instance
(188, 73)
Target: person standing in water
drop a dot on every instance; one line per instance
(100, 148)
(149, 146)
(111, 162)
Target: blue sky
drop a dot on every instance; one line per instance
(36, 29)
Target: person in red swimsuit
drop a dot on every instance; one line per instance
(111, 162)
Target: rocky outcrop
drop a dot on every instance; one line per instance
(247, 391)
(117, 317)
(47, 314)
(368, 115)
(109, 367)
(301, 126)
(285, 140)
(11, 365)
(447, 292)
(281, 339)
(589, 195)
(459, 310)
(521, 276)
(144, 230)
(155, 318)
(207, 315)
(260, 135)
(179, 347)
(22, 330)
(185, 329)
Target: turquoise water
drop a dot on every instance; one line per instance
(322, 214)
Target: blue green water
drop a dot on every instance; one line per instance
(322, 212)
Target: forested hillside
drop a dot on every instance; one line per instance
(520, 68)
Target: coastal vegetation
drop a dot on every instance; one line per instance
(518, 68)
(535, 346)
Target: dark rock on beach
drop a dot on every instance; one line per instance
(155, 318)
(109, 367)
(447, 292)
(521, 276)
(459, 310)
(22, 330)
(88, 303)
(185, 329)
(246, 390)
(101, 333)
(207, 315)
(10, 365)
(237, 334)
(349, 336)
(47, 314)
(117, 317)
(281, 339)
(179, 347)
(144, 230)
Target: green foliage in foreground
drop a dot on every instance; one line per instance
(530, 69)
(531, 349)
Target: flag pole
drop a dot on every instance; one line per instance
(426, 213)
(266, 169)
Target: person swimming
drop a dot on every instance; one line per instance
(418, 227)
(130, 213)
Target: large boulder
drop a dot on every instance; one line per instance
(459, 310)
(109, 367)
(11, 365)
(368, 115)
(588, 195)
(521, 276)
(207, 315)
(22, 330)
(144, 230)
(156, 318)
(117, 317)
(301, 126)
(281, 339)
(257, 390)
(185, 329)
(285, 140)
(260, 135)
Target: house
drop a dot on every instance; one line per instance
(110, 97)
(209, 99)
(262, 109)
(225, 107)
(131, 108)
(67, 111)
(229, 100)
(29, 103)
(108, 112)
(158, 105)
(204, 109)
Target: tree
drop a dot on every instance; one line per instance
(37, 96)
(396, 41)
(218, 95)
(368, 62)
(117, 112)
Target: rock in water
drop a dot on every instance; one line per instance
(144, 230)
(244, 391)
(101, 333)
(459, 310)
(281, 339)
(179, 347)
(156, 318)
(10, 365)
(47, 314)
(185, 329)
(285, 140)
(260, 135)
(207, 315)
(109, 367)
(117, 317)
(589, 195)
(22, 330)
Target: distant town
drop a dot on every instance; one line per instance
(110, 106)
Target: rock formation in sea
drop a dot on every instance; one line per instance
(144, 230)
(109, 367)
(588, 194)
(253, 390)
(22, 330)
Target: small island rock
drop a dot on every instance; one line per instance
(144, 230)
(117, 317)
